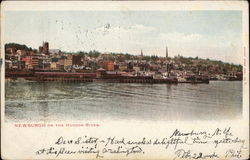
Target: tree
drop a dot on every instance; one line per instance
(154, 58)
(17, 46)
(94, 53)
(127, 56)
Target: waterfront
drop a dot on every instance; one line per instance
(52, 101)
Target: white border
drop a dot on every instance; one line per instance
(241, 125)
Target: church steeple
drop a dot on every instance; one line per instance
(166, 52)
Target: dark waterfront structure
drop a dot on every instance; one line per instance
(101, 75)
(63, 76)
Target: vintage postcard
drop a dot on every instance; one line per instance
(124, 80)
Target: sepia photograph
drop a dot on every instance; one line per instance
(124, 80)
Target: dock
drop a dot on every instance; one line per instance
(98, 77)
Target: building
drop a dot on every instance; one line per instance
(154, 67)
(11, 50)
(54, 65)
(35, 62)
(100, 73)
(27, 61)
(43, 63)
(54, 59)
(109, 66)
(69, 56)
(40, 49)
(61, 62)
(21, 65)
(31, 53)
(55, 51)
(21, 52)
(130, 65)
(8, 64)
(67, 62)
(46, 48)
(123, 67)
(137, 69)
(76, 60)
(116, 67)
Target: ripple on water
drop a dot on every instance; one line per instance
(36, 101)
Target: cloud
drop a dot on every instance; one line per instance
(142, 28)
(116, 38)
(180, 37)
(195, 40)
(133, 29)
(133, 38)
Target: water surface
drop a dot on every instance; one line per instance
(50, 101)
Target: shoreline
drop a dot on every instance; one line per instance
(24, 79)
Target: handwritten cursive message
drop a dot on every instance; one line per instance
(180, 144)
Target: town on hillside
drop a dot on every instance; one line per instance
(45, 64)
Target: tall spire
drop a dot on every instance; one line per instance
(166, 52)
(141, 53)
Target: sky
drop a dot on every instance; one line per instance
(206, 34)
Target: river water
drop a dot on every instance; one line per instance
(53, 101)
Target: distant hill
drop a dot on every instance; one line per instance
(18, 46)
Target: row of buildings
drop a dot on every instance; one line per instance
(54, 59)
(45, 59)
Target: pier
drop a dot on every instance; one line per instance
(100, 76)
